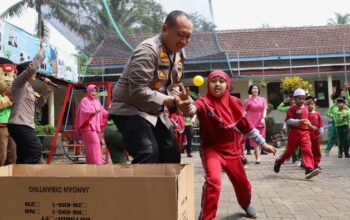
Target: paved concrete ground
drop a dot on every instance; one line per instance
(286, 195)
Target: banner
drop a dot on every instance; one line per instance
(19, 46)
(1, 37)
(67, 66)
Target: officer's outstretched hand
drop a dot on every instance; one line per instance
(184, 106)
(184, 93)
(183, 101)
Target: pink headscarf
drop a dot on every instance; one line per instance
(225, 109)
(86, 118)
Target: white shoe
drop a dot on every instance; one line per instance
(250, 211)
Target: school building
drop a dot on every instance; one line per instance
(319, 54)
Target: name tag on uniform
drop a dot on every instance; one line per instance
(163, 67)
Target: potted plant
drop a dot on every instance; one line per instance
(263, 83)
(45, 134)
(291, 83)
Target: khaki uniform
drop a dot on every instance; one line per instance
(150, 75)
(21, 123)
(24, 97)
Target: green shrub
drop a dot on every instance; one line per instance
(44, 130)
(269, 108)
(270, 128)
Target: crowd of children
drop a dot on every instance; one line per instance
(299, 135)
(305, 125)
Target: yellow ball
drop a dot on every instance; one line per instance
(198, 80)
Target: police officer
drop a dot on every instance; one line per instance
(150, 84)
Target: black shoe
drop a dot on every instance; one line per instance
(340, 155)
(311, 173)
(277, 166)
(189, 155)
(245, 161)
(347, 156)
(248, 153)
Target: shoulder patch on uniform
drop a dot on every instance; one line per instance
(164, 58)
(157, 84)
(162, 74)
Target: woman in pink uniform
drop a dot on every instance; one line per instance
(256, 109)
(91, 119)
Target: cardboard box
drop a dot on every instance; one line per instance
(92, 192)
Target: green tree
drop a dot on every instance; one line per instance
(132, 16)
(151, 16)
(58, 9)
(339, 19)
(200, 23)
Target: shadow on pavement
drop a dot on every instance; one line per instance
(234, 217)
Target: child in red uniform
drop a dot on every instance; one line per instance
(316, 130)
(243, 138)
(297, 119)
(179, 127)
(222, 122)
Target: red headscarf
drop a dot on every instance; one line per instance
(223, 109)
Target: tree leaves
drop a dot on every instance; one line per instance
(339, 19)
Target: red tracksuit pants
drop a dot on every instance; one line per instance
(213, 163)
(298, 137)
(316, 147)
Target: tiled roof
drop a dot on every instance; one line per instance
(113, 51)
(248, 43)
(282, 41)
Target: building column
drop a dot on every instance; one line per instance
(51, 108)
(330, 89)
(250, 82)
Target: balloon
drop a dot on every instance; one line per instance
(198, 80)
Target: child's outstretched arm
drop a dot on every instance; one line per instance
(293, 121)
(255, 135)
(247, 128)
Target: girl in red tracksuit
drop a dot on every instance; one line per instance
(222, 122)
(316, 130)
